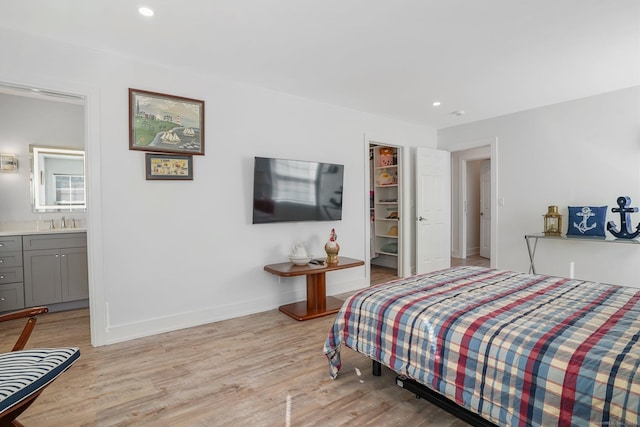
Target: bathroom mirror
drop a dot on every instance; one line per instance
(57, 179)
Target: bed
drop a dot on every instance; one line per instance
(516, 349)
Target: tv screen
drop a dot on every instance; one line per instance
(296, 190)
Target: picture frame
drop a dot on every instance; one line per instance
(8, 163)
(168, 167)
(165, 123)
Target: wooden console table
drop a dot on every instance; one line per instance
(318, 303)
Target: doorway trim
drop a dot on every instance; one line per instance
(367, 212)
(463, 165)
(404, 256)
(98, 319)
(492, 143)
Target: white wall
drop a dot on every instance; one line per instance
(583, 152)
(166, 255)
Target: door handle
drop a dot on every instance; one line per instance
(420, 218)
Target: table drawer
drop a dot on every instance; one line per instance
(10, 243)
(11, 296)
(10, 259)
(11, 275)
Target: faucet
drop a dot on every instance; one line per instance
(53, 224)
(63, 223)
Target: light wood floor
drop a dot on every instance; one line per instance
(259, 370)
(476, 260)
(384, 274)
(239, 372)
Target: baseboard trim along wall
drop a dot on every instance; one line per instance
(177, 321)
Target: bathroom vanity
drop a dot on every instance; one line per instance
(44, 268)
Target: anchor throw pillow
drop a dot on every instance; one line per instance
(587, 221)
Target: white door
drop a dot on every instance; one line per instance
(485, 209)
(433, 210)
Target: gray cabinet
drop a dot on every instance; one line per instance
(11, 284)
(55, 268)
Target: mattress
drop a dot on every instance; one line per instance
(515, 348)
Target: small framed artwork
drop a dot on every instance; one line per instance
(164, 123)
(169, 166)
(8, 163)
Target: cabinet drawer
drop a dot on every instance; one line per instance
(10, 243)
(54, 241)
(10, 275)
(10, 259)
(11, 296)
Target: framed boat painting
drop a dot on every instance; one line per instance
(165, 123)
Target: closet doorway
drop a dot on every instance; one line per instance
(385, 212)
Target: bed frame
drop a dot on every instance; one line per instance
(424, 392)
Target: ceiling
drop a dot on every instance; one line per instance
(392, 58)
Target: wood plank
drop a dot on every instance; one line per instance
(235, 372)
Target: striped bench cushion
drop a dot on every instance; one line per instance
(23, 373)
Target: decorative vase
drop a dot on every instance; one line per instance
(299, 250)
(332, 248)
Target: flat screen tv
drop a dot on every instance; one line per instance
(296, 190)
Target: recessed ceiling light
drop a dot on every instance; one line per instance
(145, 11)
(458, 113)
(436, 103)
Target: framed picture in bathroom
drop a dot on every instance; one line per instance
(8, 163)
(168, 167)
(165, 123)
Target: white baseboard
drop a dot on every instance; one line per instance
(177, 321)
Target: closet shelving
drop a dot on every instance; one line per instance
(386, 206)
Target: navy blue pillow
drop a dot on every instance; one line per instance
(587, 221)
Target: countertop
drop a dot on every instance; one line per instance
(21, 229)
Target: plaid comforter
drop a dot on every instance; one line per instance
(518, 349)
